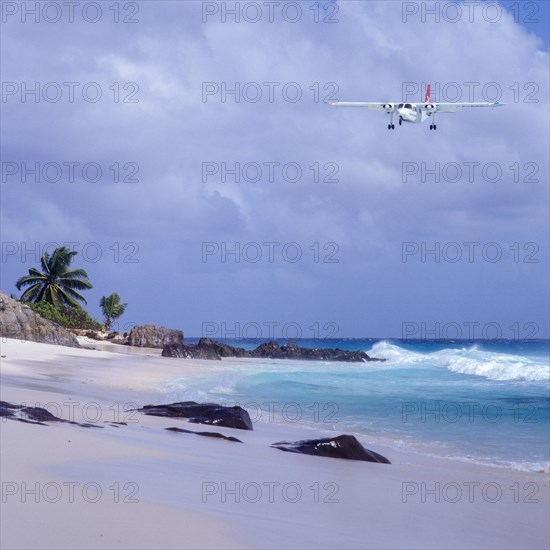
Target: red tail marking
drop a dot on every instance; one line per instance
(427, 100)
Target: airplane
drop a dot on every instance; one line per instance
(414, 112)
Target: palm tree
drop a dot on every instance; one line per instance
(56, 284)
(111, 308)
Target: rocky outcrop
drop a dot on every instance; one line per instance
(150, 336)
(203, 413)
(343, 446)
(186, 351)
(272, 350)
(219, 349)
(19, 321)
(205, 349)
(209, 349)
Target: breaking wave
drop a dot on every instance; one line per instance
(473, 361)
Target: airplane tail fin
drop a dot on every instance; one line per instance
(427, 100)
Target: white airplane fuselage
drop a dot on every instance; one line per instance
(412, 114)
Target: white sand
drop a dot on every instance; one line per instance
(184, 485)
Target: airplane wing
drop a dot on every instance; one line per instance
(372, 106)
(454, 107)
(437, 107)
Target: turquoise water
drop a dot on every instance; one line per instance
(486, 401)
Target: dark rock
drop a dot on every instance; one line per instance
(205, 349)
(39, 414)
(222, 350)
(269, 350)
(272, 350)
(206, 434)
(19, 321)
(150, 336)
(35, 415)
(7, 409)
(5, 404)
(191, 351)
(343, 446)
(205, 413)
(209, 349)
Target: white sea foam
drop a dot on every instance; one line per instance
(494, 366)
(474, 361)
(396, 355)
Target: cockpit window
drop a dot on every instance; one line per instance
(400, 106)
(408, 106)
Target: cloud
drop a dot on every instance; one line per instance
(171, 131)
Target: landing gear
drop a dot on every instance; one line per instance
(400, 121)
(433, 127)
(391, 125)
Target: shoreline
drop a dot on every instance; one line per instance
(159, 392)
(171, 470)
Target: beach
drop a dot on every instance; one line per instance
(132, 484)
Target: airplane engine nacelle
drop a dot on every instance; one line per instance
(430, 108)
(388, 107)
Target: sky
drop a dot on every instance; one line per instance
(192, 161)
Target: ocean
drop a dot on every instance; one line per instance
(483, 401)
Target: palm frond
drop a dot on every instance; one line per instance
(45, 263)
(78, 284)
(29, 280)
(71, 296)
(31, 293)
(75, 274)
(61, 259)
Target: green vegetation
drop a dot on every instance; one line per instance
(56, 284)
(52, 293)
(111, 308)
(69, 317)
